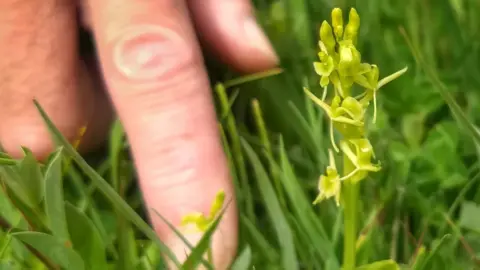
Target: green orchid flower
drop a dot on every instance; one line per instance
(324, 68)
(372, 85)
(329, 185)
(348, 112)
(360, 153)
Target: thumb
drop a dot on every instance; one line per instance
(155, 76)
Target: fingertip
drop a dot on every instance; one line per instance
(231, 30)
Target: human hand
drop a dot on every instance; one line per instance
(154, 75)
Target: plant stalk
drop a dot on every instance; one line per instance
(350, 200)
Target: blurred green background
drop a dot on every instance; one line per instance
(422, 209)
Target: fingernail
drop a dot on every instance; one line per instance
(147, 52)
(258, 39)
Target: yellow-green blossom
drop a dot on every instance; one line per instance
(329, 185)
(347, 115)
(349, 60)
(201, 222)
(324, 68)
(374, 85)
(361, 157)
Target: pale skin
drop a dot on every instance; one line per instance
(151, 73)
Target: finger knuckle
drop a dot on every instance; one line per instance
(36, 140)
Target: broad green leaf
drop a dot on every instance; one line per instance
(86, 239)
(31, 178)
(11, 177)
(442, 142)
(441, 148)
(399, 152)
(470, 216)
(380, 265)
(277, 218)
(413, 129)
(52, 248)
(54, 202)
(105, 188)
(9, 212)
(5, 244)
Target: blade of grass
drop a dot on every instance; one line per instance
(432, 253)
(244, 260)
(204, 244)
(252, 77)
(303, 209)
(231, 100)
(231, 166)
(456, 110)
(263, 246)
(125, 233)
(459, 199)
(105, 188)
(116, 146)
(267, 148)
(236, 148)
(284, 234)
(303, 129)
(7, 162)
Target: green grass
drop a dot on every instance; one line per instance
(422, 209)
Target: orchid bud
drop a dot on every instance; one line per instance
(337, 23)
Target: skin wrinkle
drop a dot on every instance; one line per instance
(187, 134)
(167, 93)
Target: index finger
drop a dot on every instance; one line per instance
(156, 78)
